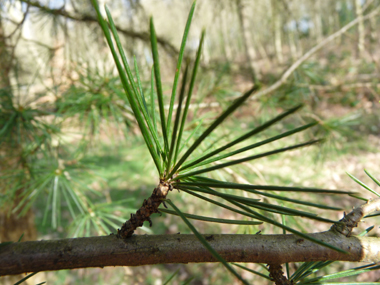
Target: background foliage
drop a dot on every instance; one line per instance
(72, 159)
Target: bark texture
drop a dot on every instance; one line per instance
(148, 208)
(276, 273)
(104, 251)
(351, 220)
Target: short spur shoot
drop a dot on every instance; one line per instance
(148, 208)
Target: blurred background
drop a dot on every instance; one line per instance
(72, 160)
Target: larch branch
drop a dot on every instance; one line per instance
(104, 251)
(33, 256)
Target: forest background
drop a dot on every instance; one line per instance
(54, 60)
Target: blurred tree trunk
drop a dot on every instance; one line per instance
(226, 46)
(276, 19)
(15, 226)
(292, 45)
(262, 52)
(373, 43)
(317, 19)
(361, 34)
(334, 23)
(374, 30)
(249, 52)
(291, 32)
(4, 59)
(12, 226)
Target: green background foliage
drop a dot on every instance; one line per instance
(85, 159)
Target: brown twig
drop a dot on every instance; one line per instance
(274, 250)
(138, 250)
(343, 87)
